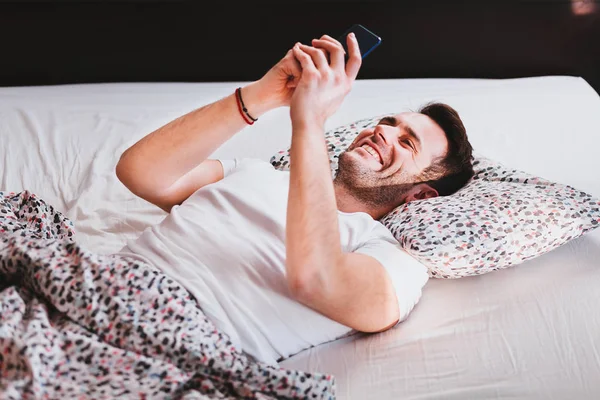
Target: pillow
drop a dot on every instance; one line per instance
(500, 218)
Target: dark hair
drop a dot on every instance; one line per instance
(451, 172)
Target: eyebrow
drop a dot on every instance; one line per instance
(395, 122)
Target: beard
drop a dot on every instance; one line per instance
(368, 186)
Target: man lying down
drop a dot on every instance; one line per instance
(282, 261)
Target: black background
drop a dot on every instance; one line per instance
(58, 42)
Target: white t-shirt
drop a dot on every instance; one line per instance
(226, 245)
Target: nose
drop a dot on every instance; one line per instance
(383, 134)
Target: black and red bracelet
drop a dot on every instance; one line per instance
(239, 105)
(242, 108)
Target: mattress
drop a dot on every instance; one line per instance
(530, 331)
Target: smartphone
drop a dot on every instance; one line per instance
(367, 40)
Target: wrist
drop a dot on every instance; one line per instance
(256, 100)
(308, 126)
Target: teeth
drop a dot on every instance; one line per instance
(372, 152)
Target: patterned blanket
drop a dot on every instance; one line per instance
(75, 324)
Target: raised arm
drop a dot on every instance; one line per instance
(169, 164)
(350, 288)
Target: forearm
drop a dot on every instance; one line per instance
(313, 246)
(159, 159)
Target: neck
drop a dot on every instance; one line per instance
(348, 203)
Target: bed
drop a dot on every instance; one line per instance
(529, 331)
(524, 332)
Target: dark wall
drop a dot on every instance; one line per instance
(55, 42)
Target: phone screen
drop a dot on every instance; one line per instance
(367, 40)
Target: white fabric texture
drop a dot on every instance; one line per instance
(528, 332)
(226, 245)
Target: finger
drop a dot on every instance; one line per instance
(336, 52)
(335, 41)
(317, 55)
(325, 52)
(305, 60)
(354, 57)
(330, 39)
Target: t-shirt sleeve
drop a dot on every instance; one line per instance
(233, 164)
(408, 275)
(228, 166)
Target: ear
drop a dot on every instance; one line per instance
(420, 191)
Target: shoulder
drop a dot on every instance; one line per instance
(362, 228)
(381, 245)
(407, 274)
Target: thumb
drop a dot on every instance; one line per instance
(292, 82)
(293, 69)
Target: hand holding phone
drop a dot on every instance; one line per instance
(326, 78)
(279, 83)
(367, 40)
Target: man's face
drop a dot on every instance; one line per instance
(384, 161)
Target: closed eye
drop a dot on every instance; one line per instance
(409, 143)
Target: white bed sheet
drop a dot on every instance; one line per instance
(530, 331)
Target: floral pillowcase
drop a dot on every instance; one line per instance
(501, 218)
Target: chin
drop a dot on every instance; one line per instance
(353, 170)
(348, 162)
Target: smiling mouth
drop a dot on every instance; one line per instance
(372, 152)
